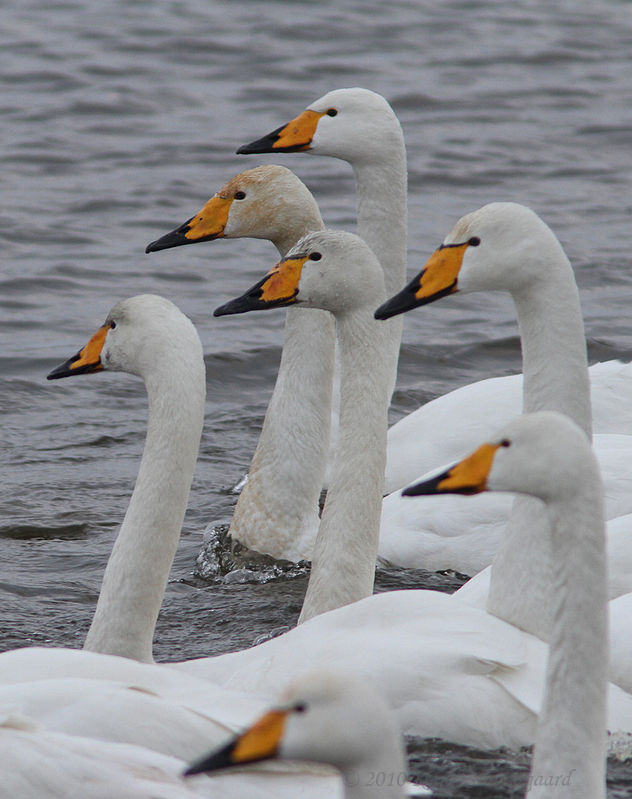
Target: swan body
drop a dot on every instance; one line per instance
(277, 509)
(329, 718)
(507, 247)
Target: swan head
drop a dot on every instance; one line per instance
(326, 718)
(352, 124)
(540, 454)
(266, 202)
(140, 335)
(501, 246)
(332, 270)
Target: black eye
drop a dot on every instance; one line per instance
(315, 256)
(331, 112)
(505, 442)
(300, 708)
(240, 195)
(112, 325)
(474, 241)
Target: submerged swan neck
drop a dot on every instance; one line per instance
(137, 571)
(571, 737)
(343, 562)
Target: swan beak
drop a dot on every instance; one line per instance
(294, 137)
(206, 225)
(259, 742)
(86, 361)
(437, 279)
(278, 288)
(468, 476)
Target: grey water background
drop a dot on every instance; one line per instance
(119, 119)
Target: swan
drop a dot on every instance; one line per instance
(101, 692)
(277, 510)
(329, 718)
(337, 271)
(547, 456)
(506, 246)
(359, 126)
(448, 668)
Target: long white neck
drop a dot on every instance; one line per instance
(277, 511)
(555, 378)
(382, 188)
(138, 569)
(343, 563)
(569, 756)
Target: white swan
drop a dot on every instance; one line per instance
(546, 455)
(93, 694)
(508, 247)
(345, 724)
(337, 271)
(277, 510)
(448, 668)
(328, 718)
(359, 126)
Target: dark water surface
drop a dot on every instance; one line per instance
(119, 119)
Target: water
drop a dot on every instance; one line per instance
(121, 118)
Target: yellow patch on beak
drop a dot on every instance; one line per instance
(211, 220)
(90, 355)
(283, 279)
(262, 739)
(439, 275)
(472, 472)
(299, 132)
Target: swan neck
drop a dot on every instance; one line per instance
(554, 359)
(343, 562)
(555, 378)
(138, 569)
(571, 737)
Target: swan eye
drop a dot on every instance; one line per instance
(112, 325)
(331, 112)
(315, 256)
(505, 442)
(240, 195)
(300, 708)
(474, 241)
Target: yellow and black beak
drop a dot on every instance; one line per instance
(86, 361)
(468, 476)
(294, 137)
(278, 288)
(259, 742)
(437, 279)
(206, 225)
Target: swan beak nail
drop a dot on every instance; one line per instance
(468, 476)
(278, 288)
(206, 225)
(86, 361)
(294, 137)
(437, 279)
(259, 742)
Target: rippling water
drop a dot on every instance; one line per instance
(121, 118)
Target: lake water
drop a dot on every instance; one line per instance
(119, 119)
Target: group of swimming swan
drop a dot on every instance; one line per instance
(447, 667)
